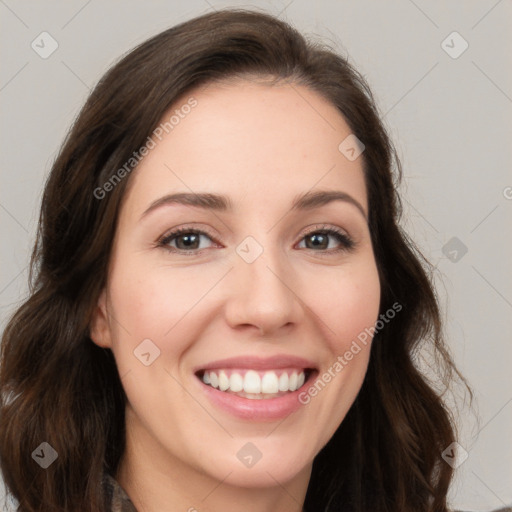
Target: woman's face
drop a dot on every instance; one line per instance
(255, 292)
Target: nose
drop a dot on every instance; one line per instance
(263, 295)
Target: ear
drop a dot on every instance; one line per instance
(99, 328)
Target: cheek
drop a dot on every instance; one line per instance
(156, 303)
(154, 321)
(349, 303)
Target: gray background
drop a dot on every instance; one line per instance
(450, 118)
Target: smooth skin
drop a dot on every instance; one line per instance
(262, 146)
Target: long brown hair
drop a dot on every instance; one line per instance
(59, 387)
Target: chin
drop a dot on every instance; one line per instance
(261, 463)
(273, 472)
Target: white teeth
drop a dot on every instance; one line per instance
(254, 385)
(214, 380)
(283, 382)
(292, 385)
(223, 381)
(269, 383)
(236, 383)
(252, 382)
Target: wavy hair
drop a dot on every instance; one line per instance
(57, 386)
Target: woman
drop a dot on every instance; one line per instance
(225, 313)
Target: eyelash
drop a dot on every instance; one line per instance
(346, 243)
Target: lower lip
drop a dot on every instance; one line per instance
(265, 409)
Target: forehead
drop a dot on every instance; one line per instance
(249, 140)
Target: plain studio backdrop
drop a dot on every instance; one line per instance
(442, 78)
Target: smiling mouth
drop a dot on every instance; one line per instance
(256, 385)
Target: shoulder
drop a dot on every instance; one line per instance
(117, 498)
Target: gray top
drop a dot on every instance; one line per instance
(117, 497)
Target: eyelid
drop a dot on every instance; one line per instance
(313, 228)
(348, 243)
(175, 232)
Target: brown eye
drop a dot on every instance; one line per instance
(317, 241)
(328, 241)
(321, 240)
(188, 241)
(184, 240)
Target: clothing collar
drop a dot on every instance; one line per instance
(118, 500)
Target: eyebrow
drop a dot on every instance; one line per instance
(222, 203)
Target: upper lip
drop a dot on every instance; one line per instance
(259, 363)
